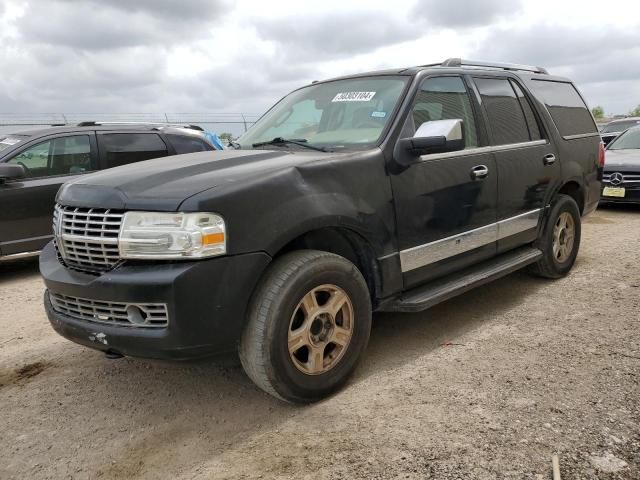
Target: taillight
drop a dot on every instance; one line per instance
(601, 155)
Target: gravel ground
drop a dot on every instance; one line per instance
(486, 386)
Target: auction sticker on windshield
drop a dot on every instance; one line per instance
(353, 97)
(10, 141)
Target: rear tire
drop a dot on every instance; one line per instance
(308, 324)
(560, 239)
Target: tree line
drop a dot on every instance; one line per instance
(598, 112)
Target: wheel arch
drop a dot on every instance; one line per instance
(342, 241)
(574, 189)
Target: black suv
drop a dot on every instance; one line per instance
(383, 191)
(34, 164)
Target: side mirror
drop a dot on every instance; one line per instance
(438, 136)
(11, 171)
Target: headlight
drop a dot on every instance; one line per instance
(154, 235)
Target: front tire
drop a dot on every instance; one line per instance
(560, 239)
(308, 325)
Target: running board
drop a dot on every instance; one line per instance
(437, 291)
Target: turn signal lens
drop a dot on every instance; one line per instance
(213, 239)
(601, 155)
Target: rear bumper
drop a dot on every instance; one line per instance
(206, 303)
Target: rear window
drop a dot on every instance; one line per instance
(122, 148)
(188, 144)
(568, 110)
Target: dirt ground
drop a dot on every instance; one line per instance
(486, 386)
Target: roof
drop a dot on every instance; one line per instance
(457, 65)
(134, 127)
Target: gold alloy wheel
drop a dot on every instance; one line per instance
(320, 330)
(564, 233)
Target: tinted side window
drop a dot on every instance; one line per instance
(445, 98)
(59, 156)
(532, 122)
(568, 110)
(35, 160)
(122, 148)
(506, 118)
(187, 144)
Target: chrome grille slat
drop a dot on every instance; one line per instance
(627, 178)
(87, 238)
(112, 313)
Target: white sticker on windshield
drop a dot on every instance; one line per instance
(10, 141)
(353, 97)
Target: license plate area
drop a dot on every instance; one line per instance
(618, 192)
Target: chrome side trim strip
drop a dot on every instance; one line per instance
(422, 255)
(428, 253)
(581, 135)
(11, 242)
(480, 150)
(518, 224)
(16, 256)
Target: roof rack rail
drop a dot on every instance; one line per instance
(458, 62)
(158, 124)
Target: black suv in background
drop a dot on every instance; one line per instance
(34, 164)
(614, 128)
(621, 176)
(383, 191)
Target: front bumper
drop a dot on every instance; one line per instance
(206, 302)
(632, 194)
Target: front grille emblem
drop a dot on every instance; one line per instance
(616, 179)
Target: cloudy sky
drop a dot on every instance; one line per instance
(240, 56)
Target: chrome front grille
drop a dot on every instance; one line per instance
(627, 178)
(149, 315)
(87, 238)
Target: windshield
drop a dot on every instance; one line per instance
(339, 114)
(628, 140)
(614, 127)
(10, 141)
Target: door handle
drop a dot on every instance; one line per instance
(549, 159)
(479, 172)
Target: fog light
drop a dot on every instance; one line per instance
(135, 315)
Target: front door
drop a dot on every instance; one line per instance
(445, 204)
(27, 204)
(526, 162)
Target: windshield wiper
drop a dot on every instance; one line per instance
(301, 142)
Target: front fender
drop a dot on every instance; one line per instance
(266, 213)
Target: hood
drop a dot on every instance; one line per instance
(622, 160)
(164, 183)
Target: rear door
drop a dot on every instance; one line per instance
(27, 205)
(526, 161)
(445, 214)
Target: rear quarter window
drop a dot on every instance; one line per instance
(123, 148)
(568, 110)
(188, 144)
